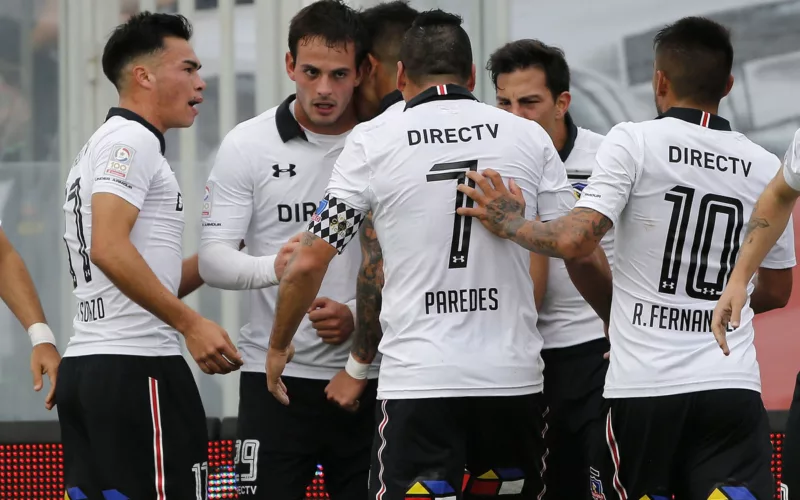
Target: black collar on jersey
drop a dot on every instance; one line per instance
(698, 117)
(390, 100)
(572, 134)
(288, 128)
(130, 115)
(439, 93)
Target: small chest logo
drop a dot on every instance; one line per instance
(279, 170)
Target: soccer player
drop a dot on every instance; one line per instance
(267, 175)
(683, 419)
(132, 421)
(19, 293)
(386, 23)
(767, 226)
(532, 81)
(460, 379)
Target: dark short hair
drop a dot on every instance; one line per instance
(436, 44)
(386, 23)
(696, 55)
(142, 34)
(331, 21)
(529, 53)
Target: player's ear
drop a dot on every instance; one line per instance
(562, 104)
(402, 79)
(471, 80)
(369, 67)
(290, 65)
(142, 76)
(660, 84)
(728, 86)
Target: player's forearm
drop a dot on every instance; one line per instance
(223, 266)
(190, 276)
(18, 291)
(369, 288)
(298, 289)
(571, 236)
(767, 223)
(592, 278)
(129, 272)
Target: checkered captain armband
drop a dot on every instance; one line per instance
(335, 222)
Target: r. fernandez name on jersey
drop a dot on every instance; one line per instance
(672, 318)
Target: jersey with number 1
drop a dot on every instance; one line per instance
(124, 157)
(458, 315)
(679, 190)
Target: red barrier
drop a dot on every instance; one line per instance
(35, 471)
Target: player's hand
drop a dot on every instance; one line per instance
(285, 254)
(345, 390)
(45, 360)
(500, 210)
(276, 362)
(332, 321)
(728, 310)
(211, 347)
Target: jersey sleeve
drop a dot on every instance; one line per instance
(791, 163)
(555, 196)
(613, 175)
(128, 166)
(347, 200)
(228, 195)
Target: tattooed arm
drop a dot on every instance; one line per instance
(572, 236)
(767, 223)
(369, 286)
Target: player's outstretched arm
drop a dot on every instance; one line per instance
(767, 222)
(501, 211)
(113, 253)
(346, 387)
(297, 290)
(19, 294)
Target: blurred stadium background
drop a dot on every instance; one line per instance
(53, 95)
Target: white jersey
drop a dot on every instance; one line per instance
(565, 318)
(679, 190)
(458, 315)
(124, 157)
(263, 188)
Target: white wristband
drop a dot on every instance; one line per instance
(356, 369)
(40, 333)
(271, 277)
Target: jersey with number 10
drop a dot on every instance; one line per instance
(124, 157)
(458, 315)
(679, 190)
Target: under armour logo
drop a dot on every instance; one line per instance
(458, 258)
(669, 285)
(278, 170)
(179, 206)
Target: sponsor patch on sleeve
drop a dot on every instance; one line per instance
(120, 161)
(208, 200)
